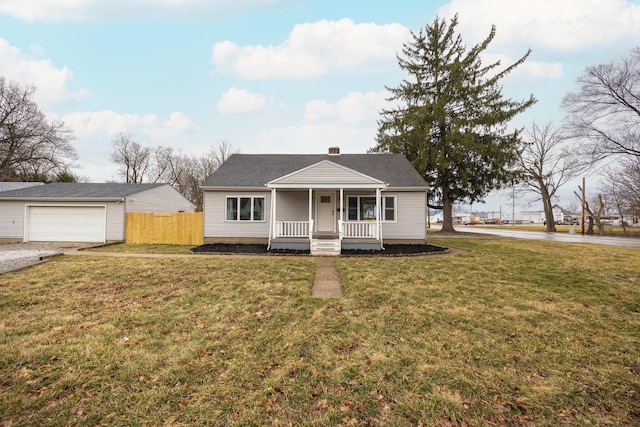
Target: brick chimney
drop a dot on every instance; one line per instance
(334, 151)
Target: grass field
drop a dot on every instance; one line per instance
(508, 332)
(609, 230)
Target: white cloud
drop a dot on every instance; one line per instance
(149, 128)
(236, 101)
(107, 123)
(94, 132)
(314, 49)
(170, 130)
(549, 24)
(349, 123)
(542, 70)
(94, 10)
(529, 69)
(50, 81)
(354, 109)
(313, 138)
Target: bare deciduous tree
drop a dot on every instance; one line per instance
(162, 164)
(546, 164)
(594, 210)
(621, 186)
(201, 167)
(30, 146)
(133, 159)
(606, 109)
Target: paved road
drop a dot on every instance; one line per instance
(558, 237)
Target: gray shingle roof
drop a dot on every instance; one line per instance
(8, 186)
(64, 190)
(255, 170)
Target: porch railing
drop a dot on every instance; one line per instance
(359, 230)
(348, 230)
(291, 229)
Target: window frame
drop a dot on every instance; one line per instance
(382, 205)
(238, 199)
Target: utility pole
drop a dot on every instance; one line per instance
(513, 204)
(583, 205)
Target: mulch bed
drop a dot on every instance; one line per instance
(390, 250)
(398, 250)
(232, 248)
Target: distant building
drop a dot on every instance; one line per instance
(538, 217)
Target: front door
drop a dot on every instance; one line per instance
(325, 213)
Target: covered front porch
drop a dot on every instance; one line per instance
(331, 219)
(325, 208)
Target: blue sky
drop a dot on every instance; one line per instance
(275, 76)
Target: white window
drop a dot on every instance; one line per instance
(245, 208)
(363, 208)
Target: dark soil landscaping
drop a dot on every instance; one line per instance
(232, 248)
(397, 250)
(390, 250)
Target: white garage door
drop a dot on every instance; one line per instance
(66, 224)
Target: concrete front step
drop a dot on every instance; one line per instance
(330, 247)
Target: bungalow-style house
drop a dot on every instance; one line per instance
(323, 203)
(76, 212)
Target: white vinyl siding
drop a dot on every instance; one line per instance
(11, 220)
(163, 199)
(216, 225)
(409, 223)
(292, 206)
(326, 173)
(115, 221)
(411, 217)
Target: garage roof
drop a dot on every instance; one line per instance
(9, 186)
(65, 190)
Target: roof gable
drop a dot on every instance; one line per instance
(325, 173)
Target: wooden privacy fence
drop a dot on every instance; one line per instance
(179, 228)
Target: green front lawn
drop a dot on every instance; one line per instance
(509, 332)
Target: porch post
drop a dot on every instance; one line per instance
(341, 220)
(378, 213)
(272, 223)
(310, 213)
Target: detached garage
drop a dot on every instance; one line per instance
(73, 212)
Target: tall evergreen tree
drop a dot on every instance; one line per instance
(451, 117)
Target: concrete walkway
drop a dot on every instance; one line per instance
(327, 283)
